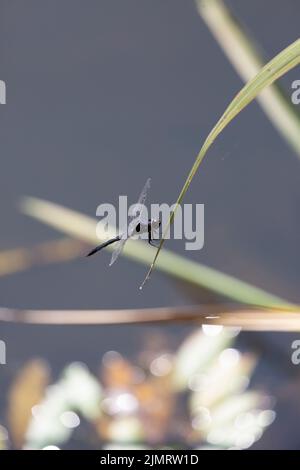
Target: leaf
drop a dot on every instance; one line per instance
(278, 66)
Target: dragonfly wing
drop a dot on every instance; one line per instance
(139, 208)
(143, 195)
(118, 249)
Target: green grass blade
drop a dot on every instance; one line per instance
(245, 56)
(84, 228)
(278, 66)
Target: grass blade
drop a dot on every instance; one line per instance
(84, 228)
(55, 251)
(278, 66)
(245, 56)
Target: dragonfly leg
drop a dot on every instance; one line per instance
(150, 239)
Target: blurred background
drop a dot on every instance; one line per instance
(100, 96)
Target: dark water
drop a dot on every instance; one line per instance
(101, 95)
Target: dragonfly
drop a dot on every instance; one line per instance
(136, 226)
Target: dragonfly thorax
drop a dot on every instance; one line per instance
(155, 224)
(151, 225)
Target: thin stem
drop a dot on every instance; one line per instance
(246, 318)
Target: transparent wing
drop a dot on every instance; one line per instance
(143, 195)
(138, 207)
(118, 248)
